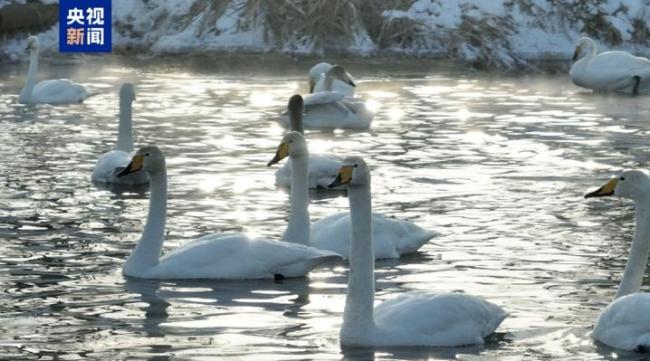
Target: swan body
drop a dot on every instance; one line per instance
(410, 319)
(317, 75)
(233, 257)
(218, 256)
(610, 71)
(392, 237)
(321, 169)
(57, 91)
(329, 109)
(625, 323)
(113, 162)
(332, 233)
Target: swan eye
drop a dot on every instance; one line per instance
(356, 165)
(622, 178)
(291, 141)
(146, 154)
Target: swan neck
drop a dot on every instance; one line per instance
(636, 263)
(329, 80)
(298, 228)
(358, 314)
(125, 131)
(28, 88)
(296, 122)
(147, 252)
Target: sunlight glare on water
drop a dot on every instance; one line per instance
(498, 165)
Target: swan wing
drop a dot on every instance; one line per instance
(625, 323)
(392, 237)
(325, 97)
(236, 256)
(58, 91)
(445, 320)
(111, 163)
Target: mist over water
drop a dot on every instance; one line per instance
(498, 165)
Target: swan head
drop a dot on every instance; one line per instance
(127, 92)
(630, 184)
(32, 43)
(315, 73)
(149, 158)
(293, 145)
(337, 72)
(353, 172)
(585, 46)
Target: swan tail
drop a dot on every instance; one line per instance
(643, 344)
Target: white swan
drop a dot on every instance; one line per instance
(321, 169)
(392, 237)
(57, 91)
(329, 109)
(411, 319)
(625, 323)
(216, 256)
(609, 71)
(113, 162)
(317, 81)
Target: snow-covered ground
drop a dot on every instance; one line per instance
(492, 33)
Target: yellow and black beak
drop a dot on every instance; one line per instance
(576, 53)
(344, 176)
(135, 165)
(283, 152)
(606, 190)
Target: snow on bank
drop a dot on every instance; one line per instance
(485, 33)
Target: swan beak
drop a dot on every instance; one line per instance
(606, 190)
(312, 84)
(135, 165)
(344, 176)
(576, 53)
(283, 152)
(348, 80)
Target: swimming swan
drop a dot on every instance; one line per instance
(609, 71)
(625, 323)
(57, 91)
(217, 256)
(329, 109)
(317, 81)
(113, 162)
(410, 319)
(321, 168)
(392, 237)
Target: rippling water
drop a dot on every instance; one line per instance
(497, 164)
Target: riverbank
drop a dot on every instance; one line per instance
(507, 34)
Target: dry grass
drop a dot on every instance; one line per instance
(322, 23)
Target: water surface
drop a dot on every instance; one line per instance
(497, 164)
